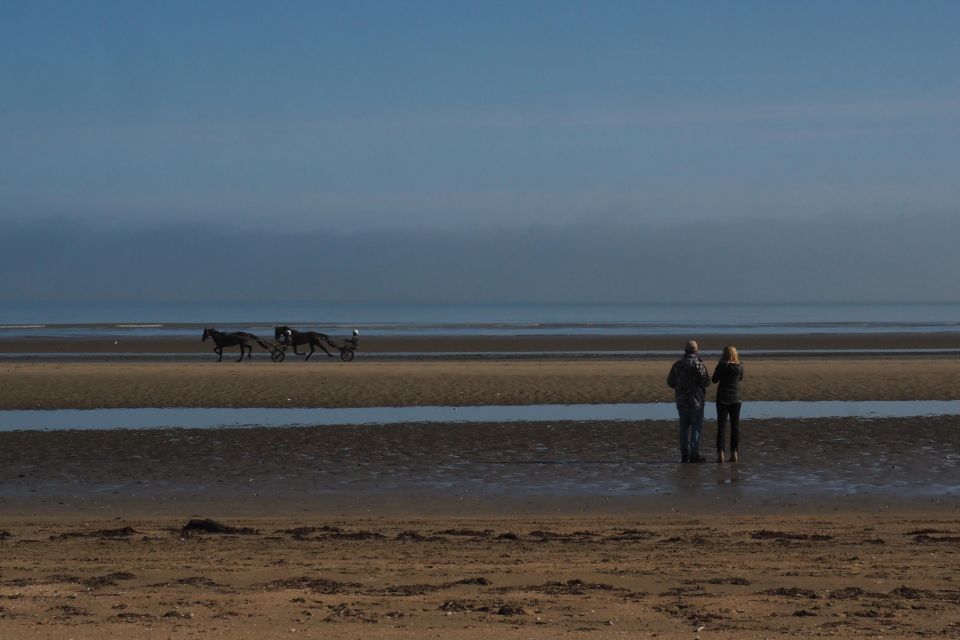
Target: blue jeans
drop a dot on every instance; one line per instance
(691, 422)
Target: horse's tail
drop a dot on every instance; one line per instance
(268, 347)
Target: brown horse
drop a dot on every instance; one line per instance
(241, 338)
(296, 338)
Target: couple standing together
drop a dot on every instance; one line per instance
(689, 379)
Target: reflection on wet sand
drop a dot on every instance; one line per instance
(824, 458)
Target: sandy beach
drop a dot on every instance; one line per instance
(640, 576)
(457, 383)
(828, 527)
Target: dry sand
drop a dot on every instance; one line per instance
(838, 528)
(772, 576)
(457, 383)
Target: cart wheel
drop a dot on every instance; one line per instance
(346, 355)
(277, 355)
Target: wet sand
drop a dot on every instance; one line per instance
(464, 469)
(478, 345)
(835, 527)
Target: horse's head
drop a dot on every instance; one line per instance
(207, 333)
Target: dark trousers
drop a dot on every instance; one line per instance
(691, 422)
(731, 411)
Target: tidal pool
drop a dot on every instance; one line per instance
(270, 417)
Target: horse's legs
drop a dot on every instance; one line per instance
(295, 348)
(219, 351)
(320, 344)
(311, 350)
(241, 353)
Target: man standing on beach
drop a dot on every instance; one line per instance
(689, 380)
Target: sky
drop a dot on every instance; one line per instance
(605, 136)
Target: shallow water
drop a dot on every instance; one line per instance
(155, 418)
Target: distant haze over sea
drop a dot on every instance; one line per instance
(835, 260)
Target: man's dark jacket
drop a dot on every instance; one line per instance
(689, 379)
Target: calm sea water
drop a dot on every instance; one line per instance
(183, 318)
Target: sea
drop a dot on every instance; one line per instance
(174, 319)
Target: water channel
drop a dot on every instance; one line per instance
(196, 418)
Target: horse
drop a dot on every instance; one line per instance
(241, 338)
(296, 338)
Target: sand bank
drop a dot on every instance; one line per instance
(470, 382)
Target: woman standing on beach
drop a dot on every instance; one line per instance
(727, 375)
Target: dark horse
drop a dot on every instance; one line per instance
(241, 338)
(296, 338)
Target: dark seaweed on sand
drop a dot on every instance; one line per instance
(205, 525)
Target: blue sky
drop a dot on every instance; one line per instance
(456, 114)
(483, 151)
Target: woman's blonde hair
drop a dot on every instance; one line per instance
(730, 354)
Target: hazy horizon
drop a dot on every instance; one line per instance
(832, 260)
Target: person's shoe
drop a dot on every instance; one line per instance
(734, 456)
(698, 458)
(720, 456)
